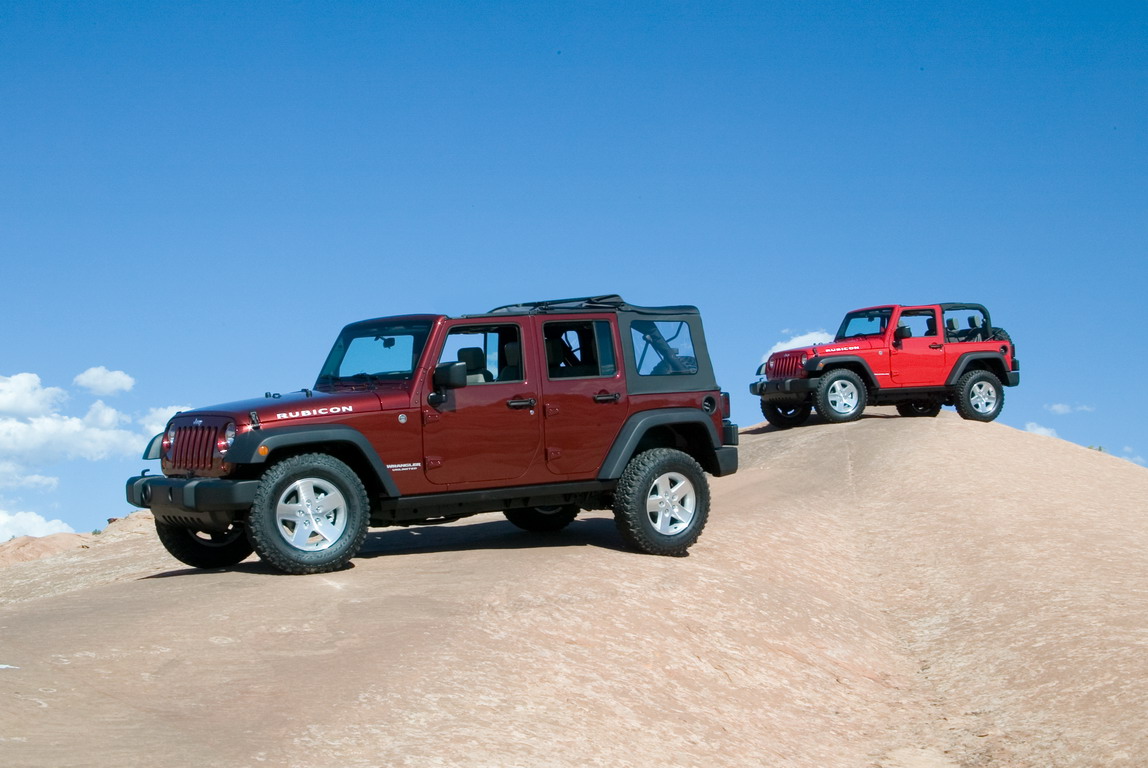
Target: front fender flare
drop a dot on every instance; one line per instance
(246, 448)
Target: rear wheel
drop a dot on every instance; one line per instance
(662, 502)
(785, 415)
(841, 396)
(919, 408)
(980, 396)
(201, 549)
(310, 514)
(542, 519)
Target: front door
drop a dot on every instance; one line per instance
(584, 398)
(491, 429)
(918, 360)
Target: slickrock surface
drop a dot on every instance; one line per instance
(893, 593)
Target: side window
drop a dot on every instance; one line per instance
(663, 348)
(965, 325)
(920, 322)
(582, 349)
(491, 352)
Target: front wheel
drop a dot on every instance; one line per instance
(980, 396)
(542, 519)
(310, 514)
(841, 396)
(201, 549)
(783, 415)
(662, 502)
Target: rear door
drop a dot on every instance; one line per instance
(584, 392)
(919, 359)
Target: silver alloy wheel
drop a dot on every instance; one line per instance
(671, 503)
(311, 514)
(843, 397)
(983, 397)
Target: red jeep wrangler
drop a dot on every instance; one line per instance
(536, 410)
(917, 358)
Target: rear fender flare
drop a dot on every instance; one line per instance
(638, 425)
(993, 361)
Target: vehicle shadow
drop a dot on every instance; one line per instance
(486, 534)
(814, 421)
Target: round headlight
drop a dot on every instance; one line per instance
(168, 441)
(226, 438)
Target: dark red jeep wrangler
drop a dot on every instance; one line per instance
(537, 410)
(917, 358)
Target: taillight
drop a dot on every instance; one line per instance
(725, 406)
(226, 438)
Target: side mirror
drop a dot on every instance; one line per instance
(903, 332)
(446, 376)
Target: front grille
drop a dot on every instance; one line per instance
(194, 447)
(787, 367)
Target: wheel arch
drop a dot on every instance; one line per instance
(993, 362)
(684, 429)
(852, 363)
(344, 443)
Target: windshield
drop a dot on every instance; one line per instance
(366, 353)
(868, 322)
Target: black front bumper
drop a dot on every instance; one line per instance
(204, 503)
(784, 389)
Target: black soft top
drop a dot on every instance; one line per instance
(606, 303)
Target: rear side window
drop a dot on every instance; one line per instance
(663, 348)
(582, 349)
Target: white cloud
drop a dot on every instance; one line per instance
(54, 437)
(100, 381)
(1063, 409)
(23, 395)
(801, 340)
(155, 420)
(29, 524)
(1037, 429)
(13, 476)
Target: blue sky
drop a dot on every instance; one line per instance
(196, 196)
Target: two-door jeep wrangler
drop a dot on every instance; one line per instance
(536, 410)
(916, 358)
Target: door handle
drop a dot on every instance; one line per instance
(936, 346)
(526, 402)
(612, 397)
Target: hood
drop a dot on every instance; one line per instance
(303, 405)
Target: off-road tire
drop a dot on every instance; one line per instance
(310, 514)
(662, 502)
(979, 396)
(542, 519)
(841, 396)
(782, 415)
(201, 549)
(926, 408)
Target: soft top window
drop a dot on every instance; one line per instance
(663, 348)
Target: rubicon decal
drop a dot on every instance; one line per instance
(841, 349)
(315, 412)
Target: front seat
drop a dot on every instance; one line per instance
(475, 360)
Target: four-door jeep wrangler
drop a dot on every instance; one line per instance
(537, 410)
(917, 358)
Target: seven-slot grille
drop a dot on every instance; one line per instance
(787, 367)
(194, 447)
